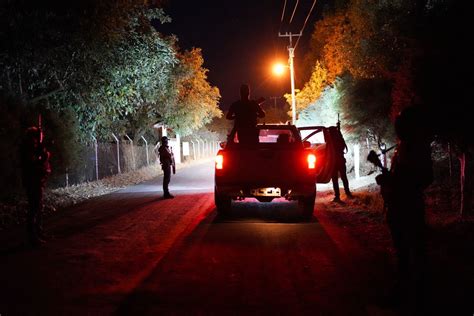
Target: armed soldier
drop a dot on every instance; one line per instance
(166, 157)
(35, 170)
(245, 113)
(402, 188)
(340, 148)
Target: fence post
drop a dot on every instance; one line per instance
(96, 156)
(384, 154)
(199, 148)
(134, 164)
(194, 149)
(177, 153)
(356, 161)
(146, 146)
(118, 153)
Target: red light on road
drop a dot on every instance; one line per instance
(311, 161)
(219, 161)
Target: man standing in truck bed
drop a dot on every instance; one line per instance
(245, 113)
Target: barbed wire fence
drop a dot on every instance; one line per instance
(102, 159)
(120, 154)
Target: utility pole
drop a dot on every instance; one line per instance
(291, 53)
(274, 101)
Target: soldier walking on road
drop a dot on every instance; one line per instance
(35, 170)
(165, 154)
(340, 148)
(245, 113)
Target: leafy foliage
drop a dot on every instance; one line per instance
(312, 89)
(324, 111)
(193, 101)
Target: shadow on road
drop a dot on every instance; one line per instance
(79, 218)
(273, 212)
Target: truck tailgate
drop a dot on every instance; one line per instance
(265, 166)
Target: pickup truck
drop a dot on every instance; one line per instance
(281, 165)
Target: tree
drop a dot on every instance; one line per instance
(408, 51)
(312, 89)
(193, 102)
(324, 111)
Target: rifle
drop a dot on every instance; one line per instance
(374, 158)
(384, 179)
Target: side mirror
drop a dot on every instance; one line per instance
(306, 144)
(222, 144)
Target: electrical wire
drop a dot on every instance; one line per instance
(283, 13)
(294, 10)
(305, 21)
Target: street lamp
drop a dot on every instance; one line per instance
(279, 69)
(291, 54)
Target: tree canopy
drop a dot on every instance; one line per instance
(403, 51)
(107, 62)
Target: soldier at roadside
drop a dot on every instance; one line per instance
(165, 154)
(35, 171)
(410, 174)
(340, 148)
(245, 113)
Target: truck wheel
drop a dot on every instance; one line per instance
(223, 203)
(306, 204)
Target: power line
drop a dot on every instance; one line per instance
(305, 21)
(294, 10)
(283, 13)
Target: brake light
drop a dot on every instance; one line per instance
(311, 161)
(219, 161)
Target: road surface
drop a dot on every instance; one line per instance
(133, 253)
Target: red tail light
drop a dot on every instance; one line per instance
(219, 161)
(311, 161)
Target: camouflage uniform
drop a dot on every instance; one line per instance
(166, 157)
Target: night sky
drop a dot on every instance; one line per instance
(240, 42)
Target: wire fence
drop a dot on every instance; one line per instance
(104, 159)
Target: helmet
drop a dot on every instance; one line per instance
(412, 123)
(164, 139)
(407, 122)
